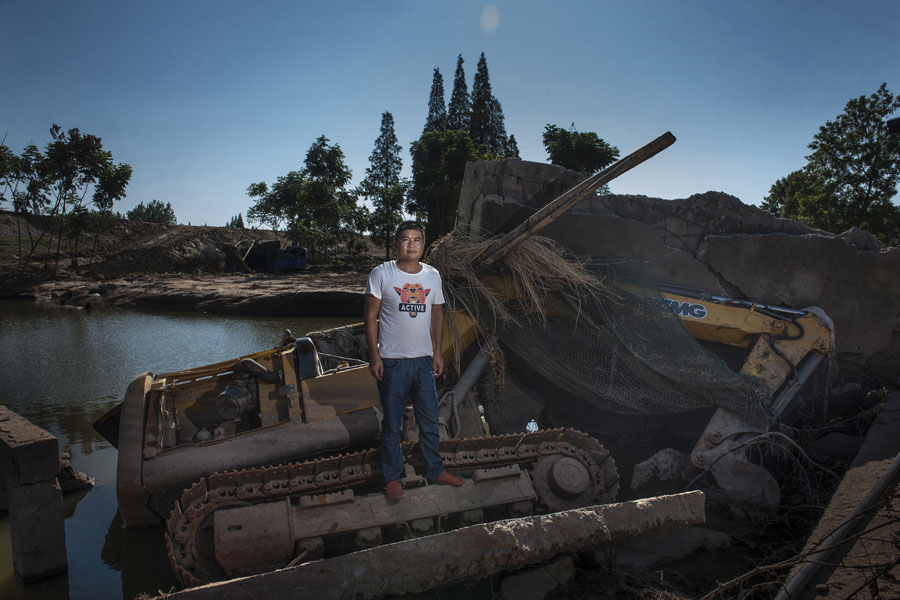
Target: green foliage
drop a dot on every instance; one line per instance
(111, 184)
(439, 163)
(802, 196)
(314, 202)
(851, 174)
(486, 122)
(580, 151)
(236, 221)
(383, 185)
(460, 108)
(57, 181)
(859, 162)
(512, 147)
(474, 129)
(437, 113)
(153, 212)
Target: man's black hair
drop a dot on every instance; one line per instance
(409, 225)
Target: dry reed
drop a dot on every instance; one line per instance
(534, 278)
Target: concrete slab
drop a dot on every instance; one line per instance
(37, 531)
(29, 464)
(28, 454)
(461, 555)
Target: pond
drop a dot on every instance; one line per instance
(63, 368)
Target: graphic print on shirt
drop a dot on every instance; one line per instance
(412, 298)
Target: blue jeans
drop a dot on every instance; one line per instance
(412, 377)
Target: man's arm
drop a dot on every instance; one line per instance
(370, 318)
(437, 337)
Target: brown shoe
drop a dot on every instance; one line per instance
(394, 490)
(448, 479)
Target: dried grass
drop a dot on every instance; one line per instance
(531, 279)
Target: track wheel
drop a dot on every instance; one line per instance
(562, 482)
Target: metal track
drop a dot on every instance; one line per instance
(187, 538)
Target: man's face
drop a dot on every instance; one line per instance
(410, 244)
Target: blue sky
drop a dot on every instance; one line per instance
(204, 98)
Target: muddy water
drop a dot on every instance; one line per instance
(64, 368)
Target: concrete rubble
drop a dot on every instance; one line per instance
(665, 466)
(713, 242)
(463, 554)
(29, 465)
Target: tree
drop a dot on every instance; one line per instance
(486, 122)
(236, 221)
(154, 212)
(460, 109)
(439, 162)
(111, 184)
(268, 208)
(481, 123)
(316, 205)
(72, 164)
(512, 148)
(437, 113)
(580, 151)
(22, 184)
(858, 160)
(382, 184)
(498, 140)
(56, 183)
(34, 197)
(802, 196)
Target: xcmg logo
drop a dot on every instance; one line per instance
(686, 309)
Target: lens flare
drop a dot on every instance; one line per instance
(490, 18)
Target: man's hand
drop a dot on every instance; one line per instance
(437, 365)
(376, 368)
(370, 317)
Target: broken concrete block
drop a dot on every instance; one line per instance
(29, 464)
(36, 529)
(860, 291)
(535, 584)
(665, 466)
(28, 454)
(653, 550)
(69, 479)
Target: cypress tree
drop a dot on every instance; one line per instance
(512, 148)
(497, 131)
(482, 106)
(486, 124)
(460, 109)
(437, 113)
(382, 184)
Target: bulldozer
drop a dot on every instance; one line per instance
(271, 459)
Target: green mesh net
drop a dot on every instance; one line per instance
(611, 341)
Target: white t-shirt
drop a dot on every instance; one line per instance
(406, 305)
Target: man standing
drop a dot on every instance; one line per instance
(405, 355)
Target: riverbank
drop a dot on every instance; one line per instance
(319, 294)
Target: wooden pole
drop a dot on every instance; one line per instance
(556, 208)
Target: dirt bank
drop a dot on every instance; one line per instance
(169, 267)
(325, 294)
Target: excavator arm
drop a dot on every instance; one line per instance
(786, 345)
